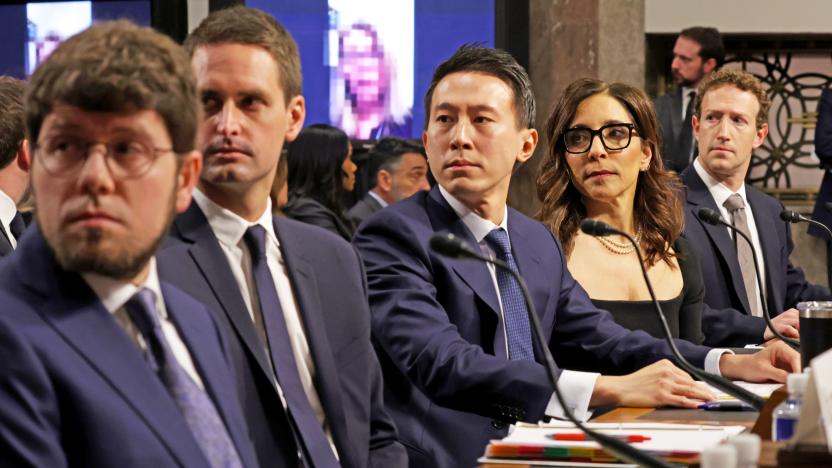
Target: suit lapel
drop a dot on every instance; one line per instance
(76, 314)
(767, 232)
(676, 118)
(698, 197)
(307, 294)
(475, 274)
(210, 259)
(212, 366)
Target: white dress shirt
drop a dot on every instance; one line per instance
(114, 294)
(378, 198)
(8, 210)
(230, 229)
(720, 193)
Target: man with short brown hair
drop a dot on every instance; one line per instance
(292, 296)
(14, 162)
(104, 364)
(730, 122)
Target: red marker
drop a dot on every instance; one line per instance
(581, 437)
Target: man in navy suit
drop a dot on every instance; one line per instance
(823, 149)
(103, 363)
(14, 162)
(697, 52)
(730, 121)
(292, 296)
(453, 335)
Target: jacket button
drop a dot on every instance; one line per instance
(498, 424)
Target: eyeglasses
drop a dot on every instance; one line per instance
(126, 158)
(614, 137)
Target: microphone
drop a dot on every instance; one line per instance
(712, 217)
(448, 245)
(795, 217)
(590, 226)
(828, 206)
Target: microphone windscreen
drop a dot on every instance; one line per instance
(593, 227)
(828, 206)
(448, 245)
(790, 216)
(709, 216)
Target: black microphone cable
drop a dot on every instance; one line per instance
(713, 218)
(593, 227)
(448, 245)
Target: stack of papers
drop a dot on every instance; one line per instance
(674, 443)
(763, 390)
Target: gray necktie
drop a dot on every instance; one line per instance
(199, 411)
(736, 208)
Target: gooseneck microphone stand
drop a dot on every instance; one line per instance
(448, 245)
(713, 218)
(594, 227)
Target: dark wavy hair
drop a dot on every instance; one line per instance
(658, 205)
(315, 159)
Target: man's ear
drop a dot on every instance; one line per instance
(529, 144)
(24, 157)
(760, 135)
(189, 171)
(384, 180)
(709, 65)
(296, 112)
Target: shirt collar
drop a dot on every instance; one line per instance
(718, 190)
(227, 225)
(686, 91)
(8, 209)
(114, 293)
(377, 198)
(479, 226)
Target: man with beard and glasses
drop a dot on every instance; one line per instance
(103, 363)
(698, 51)
(291, 295)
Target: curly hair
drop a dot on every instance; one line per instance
(657, 206)
(741, 80)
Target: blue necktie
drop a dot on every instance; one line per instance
(515, 316)
(316, 445)
(197, 408)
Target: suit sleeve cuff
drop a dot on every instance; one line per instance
(712, 360)
(576, 388)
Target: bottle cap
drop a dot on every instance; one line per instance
(719, 456)
(796, 384)
(748, 448)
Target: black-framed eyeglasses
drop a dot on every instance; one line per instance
(614, 136)
(126, 158)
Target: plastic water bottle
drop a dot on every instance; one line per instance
(784, 418)
(748, 449)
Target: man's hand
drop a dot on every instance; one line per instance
(787, 323)
(772, 363)
(659, 384)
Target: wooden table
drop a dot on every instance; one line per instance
(768, 453)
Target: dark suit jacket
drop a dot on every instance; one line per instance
(449, 388)
(363, 209)
(727, 319)
(310, 211)
(823, 148)
(76, 390)
(329, 285)
(669, 113)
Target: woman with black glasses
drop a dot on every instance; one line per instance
(603, 162)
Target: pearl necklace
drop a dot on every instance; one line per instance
(619, 248)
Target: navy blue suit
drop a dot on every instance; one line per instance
(329, 285)
(449, 388)
(823, 149)
(77, 391)
(726, 319)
